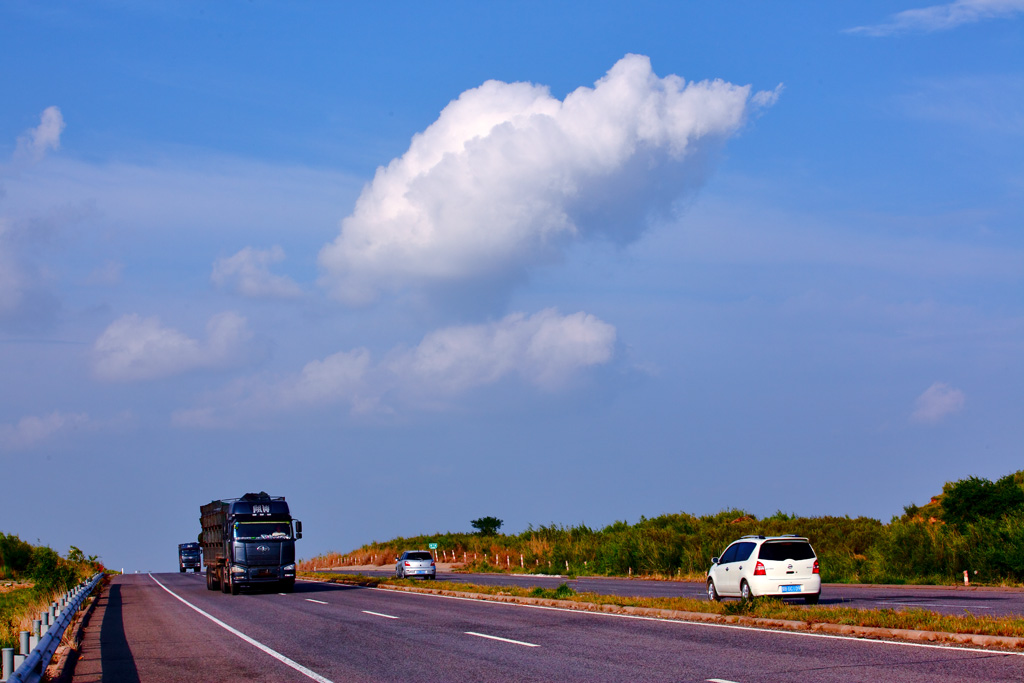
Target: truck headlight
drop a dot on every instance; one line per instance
(288, 567)
(235, 569)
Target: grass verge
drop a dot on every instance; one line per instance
(761, 608)
(17, 610)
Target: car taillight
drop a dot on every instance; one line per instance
(759, 570)
(431, 563)
(815, 570)
(408, 563)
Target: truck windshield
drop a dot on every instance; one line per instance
(262, 530)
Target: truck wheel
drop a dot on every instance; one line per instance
(224, 582)
(234, 586)
(181, 570)
(211, 581)
(288, 585)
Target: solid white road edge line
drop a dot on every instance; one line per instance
(319, 602)
(255, 643)
(504, 640)
(898, 643)
(719, 680)
(378, 614)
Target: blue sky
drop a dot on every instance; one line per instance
(556, 263)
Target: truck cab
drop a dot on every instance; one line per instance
(188, 557)
(249, 542)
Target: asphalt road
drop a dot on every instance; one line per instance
(150, 628)
(947, 600)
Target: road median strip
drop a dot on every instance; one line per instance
(805, 626)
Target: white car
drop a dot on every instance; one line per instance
(780, 566)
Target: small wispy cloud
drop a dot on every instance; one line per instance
(942, 17)
(938, 402)
(248, 273)
(134, 348)
(32, 430)
(36, 142)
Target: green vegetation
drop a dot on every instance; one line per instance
(30, 578)
(764, 608)
(974, 525)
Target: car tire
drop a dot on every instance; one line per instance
(745, 592)
(812, 599)
(713, 595)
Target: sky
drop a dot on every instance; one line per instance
(413, 264)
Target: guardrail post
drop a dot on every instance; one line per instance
(23, 638)
(33, 638)
(8, 663)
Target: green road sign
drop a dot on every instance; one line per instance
(433, 546)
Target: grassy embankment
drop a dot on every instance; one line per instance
(31, 578)
(860, 550)
(765, 608)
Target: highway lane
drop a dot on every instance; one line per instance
(947, 600)
(360, 634)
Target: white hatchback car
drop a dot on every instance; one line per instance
(780, 566)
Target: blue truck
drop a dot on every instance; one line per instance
(249, 542)
(188, 557)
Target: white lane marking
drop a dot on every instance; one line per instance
(504, 640)
(929, 604)
(319, 602)
(804, 634)
(378, 614)
(255, 643)
(718, 680)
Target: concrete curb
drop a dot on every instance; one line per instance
(871, 632)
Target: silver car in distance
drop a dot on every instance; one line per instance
(415, 563)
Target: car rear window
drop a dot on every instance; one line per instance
(786, 550)
(419, 556)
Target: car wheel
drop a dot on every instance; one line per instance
(812, 599)
(712, 593)
(745, 593)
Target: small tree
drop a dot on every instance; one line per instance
(487, 526)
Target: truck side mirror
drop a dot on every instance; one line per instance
(298, 529)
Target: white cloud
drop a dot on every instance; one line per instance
(545, 350)
(508, 173)
(942, 17)
(36, 142)
(134, 348)
(248, 273)
(32, 430)
(937, 402)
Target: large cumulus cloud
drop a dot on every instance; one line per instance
(508, 174)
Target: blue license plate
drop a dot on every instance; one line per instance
(791, 589)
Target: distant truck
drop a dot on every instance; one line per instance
(188, 557)
(249, 542)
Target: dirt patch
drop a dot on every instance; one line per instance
(8, 586)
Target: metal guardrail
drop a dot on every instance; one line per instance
(38, 646)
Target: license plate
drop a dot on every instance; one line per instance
(265, 572)
(791, 589)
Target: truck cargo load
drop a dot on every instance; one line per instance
(249, 542)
